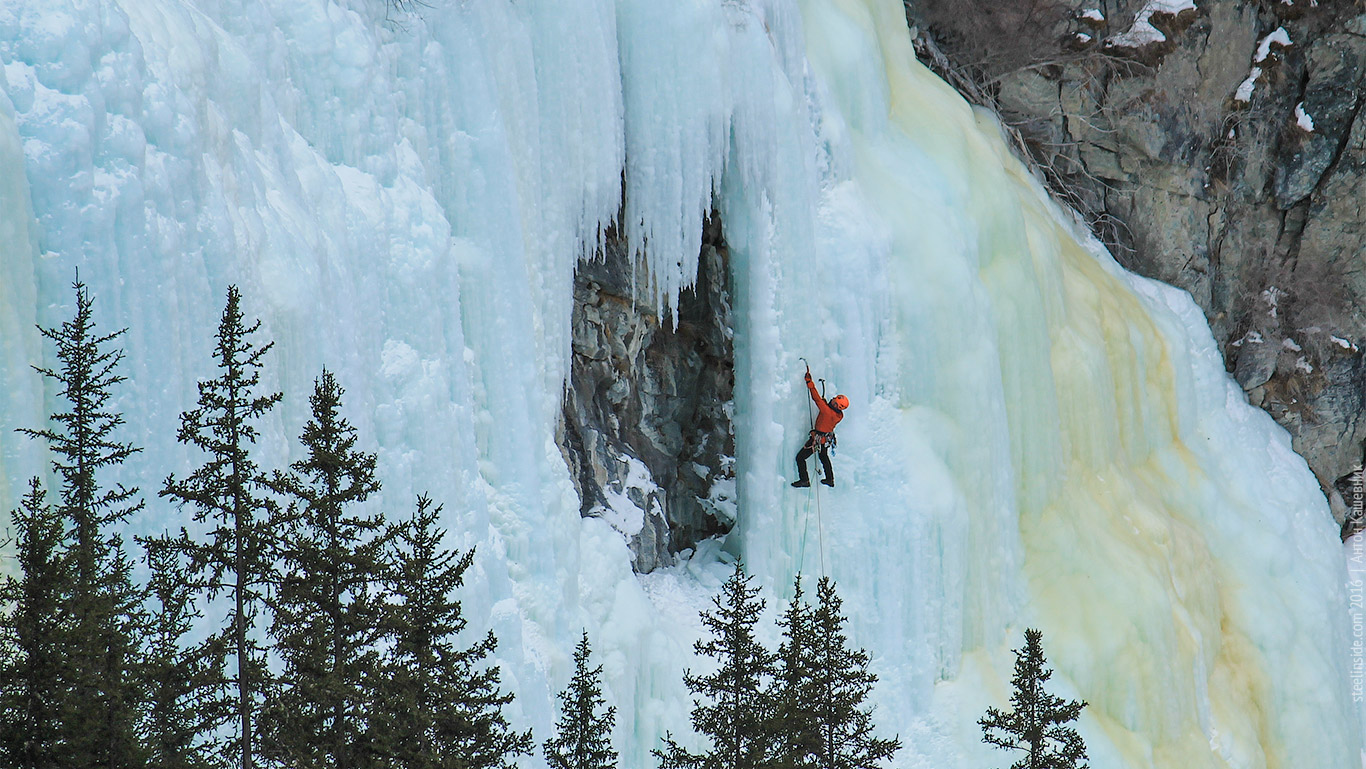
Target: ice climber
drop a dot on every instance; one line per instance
(822, 435)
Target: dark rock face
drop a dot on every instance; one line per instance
(646, 427)
(1222, 151)
(1334, 67)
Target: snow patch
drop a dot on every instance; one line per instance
(1290, 344)
(1272, 297)
(1279, 37)
(1343, 343)
(1092, 14)
(623, 512)
(1245, 88)
(1304, 365)
(721, 499)
(1302, 119)
(1143, 32)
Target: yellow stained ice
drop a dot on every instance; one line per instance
(1136, 607)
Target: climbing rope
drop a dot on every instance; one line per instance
(820, 527)
(806, 531)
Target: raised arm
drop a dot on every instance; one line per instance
(815, 395)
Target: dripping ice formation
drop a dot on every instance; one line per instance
(1037, 437)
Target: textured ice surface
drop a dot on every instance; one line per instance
(1036, 436)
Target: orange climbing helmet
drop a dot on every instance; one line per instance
(840, 402)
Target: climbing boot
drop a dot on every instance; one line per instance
(801, 483)
(828, 481)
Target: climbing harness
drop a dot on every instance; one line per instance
(818, 439)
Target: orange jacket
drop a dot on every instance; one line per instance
(829, 416)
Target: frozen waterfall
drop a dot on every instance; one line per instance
(1037, 437)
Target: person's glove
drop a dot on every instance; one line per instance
(808, 376)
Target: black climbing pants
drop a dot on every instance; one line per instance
(812, 445)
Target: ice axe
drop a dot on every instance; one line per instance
(808, 405)
(808, 371)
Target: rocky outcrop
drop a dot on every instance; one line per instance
(1221, 149)
(646, 426)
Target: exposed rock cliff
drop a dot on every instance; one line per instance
(647, 424)
(1216, 145)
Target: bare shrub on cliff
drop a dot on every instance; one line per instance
(989, 38)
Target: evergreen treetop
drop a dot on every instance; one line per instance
(329, 611)
(1037, 724)
(440, 704)
(795, 725)
(113, 699)
(732, 708)
(81, 437)
(99, 697)
(230, 492)
(185, 685)
(583, 735)
(228, 487)
(334, 473)
(841, 683)
(35, 629)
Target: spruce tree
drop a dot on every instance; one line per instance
(34, 641)
(794, 725)
(184, 682)
(840, 683)
(732, 707)
(440, 705)
(82, 440)
(329, 608)
(1037, 725)
(228, 492)
(118, 741)
(583, 735)
(101, 699)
